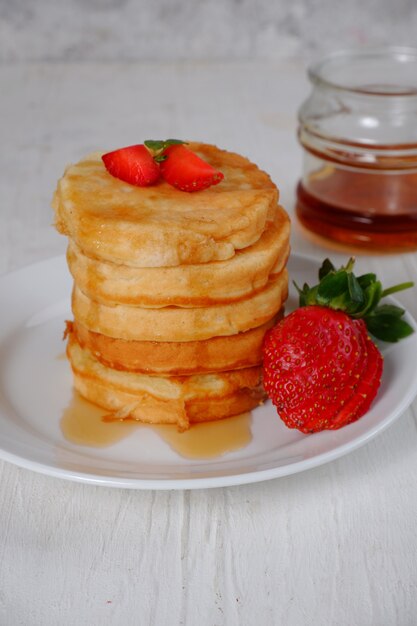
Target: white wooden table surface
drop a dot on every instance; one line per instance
(332, 546)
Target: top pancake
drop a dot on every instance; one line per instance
(160, 226)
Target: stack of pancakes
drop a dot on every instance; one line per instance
(173, 291)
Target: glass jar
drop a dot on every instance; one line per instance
(358, 129)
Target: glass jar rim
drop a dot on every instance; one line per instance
(399, 54)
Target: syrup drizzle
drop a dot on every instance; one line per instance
(84, 423)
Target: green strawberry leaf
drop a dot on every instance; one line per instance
(355, 290)
(302, 293)
(388, 327)
(154, 145)
(389, 309)
(366, 279)
(157, 145)
(359, 297)
(311, 296)
(173, 142)
(326, 268)
(306, 294)
(333, 285)
(372, 297)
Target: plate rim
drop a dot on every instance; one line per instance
(205, 482)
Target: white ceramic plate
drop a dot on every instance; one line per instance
(35, 388)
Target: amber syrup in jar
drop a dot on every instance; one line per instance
(359, 133)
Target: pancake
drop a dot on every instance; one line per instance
(181, 324)
(186, 285)
(204, 284)
(160, 226)
(176, 358)
(156, 400)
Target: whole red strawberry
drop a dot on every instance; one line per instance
(321, 369)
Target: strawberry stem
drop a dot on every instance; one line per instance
(396, 288)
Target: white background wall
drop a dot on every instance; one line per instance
(197, 29)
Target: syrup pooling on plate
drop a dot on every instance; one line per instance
(209, 439)
(84, 423)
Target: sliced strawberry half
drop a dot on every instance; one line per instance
(134, 165)
(366, 390)
(184, 169)
(322, 408)
(313, 361)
